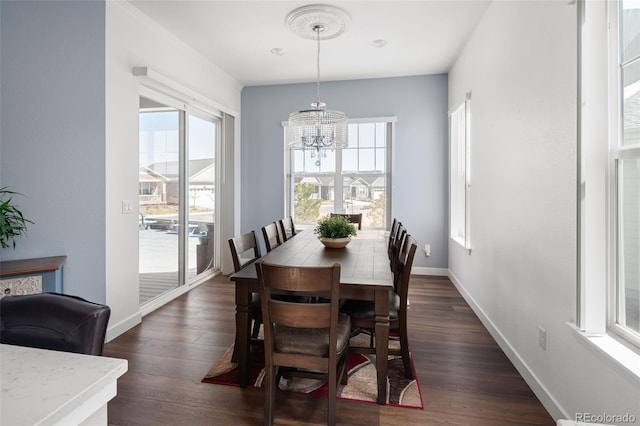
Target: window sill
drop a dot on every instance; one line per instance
(461, 243)
(624, 358)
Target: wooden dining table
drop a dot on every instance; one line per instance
(364, 275)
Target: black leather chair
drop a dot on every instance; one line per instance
(54, 321)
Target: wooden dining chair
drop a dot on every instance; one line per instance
(244, 251)
(303, 339)
(271, 236)
(363, 315)
(355, 218)
(287, 229)
(393, 233)
(397, 246)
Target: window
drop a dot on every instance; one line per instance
(459, 174)
(354, 179)
(625, 171)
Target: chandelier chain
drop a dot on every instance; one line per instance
(317, 30)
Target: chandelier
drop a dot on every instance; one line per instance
(317, 128)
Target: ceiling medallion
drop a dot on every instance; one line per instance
(302, 21)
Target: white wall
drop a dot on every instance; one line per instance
(520, 65)
(133, 40)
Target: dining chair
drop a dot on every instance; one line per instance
(54, 321)
(363, 316)
(393, 233)
(397, 245)
(281, 231)
(245, 250)
(271, 236)
(355, 218)
(303, 339)
(287, 229)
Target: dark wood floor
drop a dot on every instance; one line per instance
(464, 377)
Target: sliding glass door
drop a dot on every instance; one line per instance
(177, 151)
(202, 195)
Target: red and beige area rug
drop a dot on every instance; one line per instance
(362, 383)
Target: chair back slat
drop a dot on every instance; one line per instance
(312, 315)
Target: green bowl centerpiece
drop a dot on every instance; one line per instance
(334, 232)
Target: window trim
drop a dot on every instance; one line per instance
(598, 127)
(465, 240)
(617, 152)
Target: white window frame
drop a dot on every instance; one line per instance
(617, 152)
(596, 272)
(460, 173)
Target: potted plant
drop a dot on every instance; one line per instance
(12, 222)
(334, 232)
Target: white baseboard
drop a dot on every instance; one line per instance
(135, 319)
(545, 397)
(123, 326)
(419, 270)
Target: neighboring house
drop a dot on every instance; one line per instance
(152, 187)
(159, 181)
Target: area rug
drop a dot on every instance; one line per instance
(362, 383)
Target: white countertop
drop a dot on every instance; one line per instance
(46, 387)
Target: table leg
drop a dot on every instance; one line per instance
(242, 332)
(382, 342)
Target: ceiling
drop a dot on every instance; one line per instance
(423, 37)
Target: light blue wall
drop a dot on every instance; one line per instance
(420, 183)
(52, 133)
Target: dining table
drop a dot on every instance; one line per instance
(364, 275)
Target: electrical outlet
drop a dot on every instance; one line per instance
(427, 250)
(542, 338)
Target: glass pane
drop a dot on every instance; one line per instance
(381, 160)
(381, 135)
(366, 195)
(312, 161)
(353, 136)
(313, 198)
(629, 244)
(200, 241)
(158, 199)
(631, 103)
(327, 161)
(367, 160)
(350, 160)
(366, 135)
(311, 164)
(630, 30)
(297, 160)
